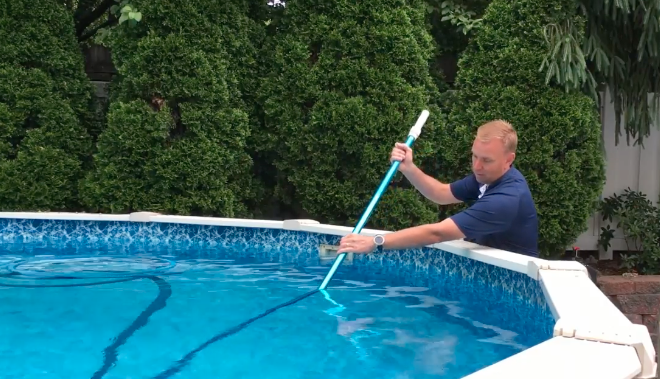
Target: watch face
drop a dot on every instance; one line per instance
(379, 240)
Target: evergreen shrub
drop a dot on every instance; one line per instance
(46, 108)
(345, 81)
(178, 123)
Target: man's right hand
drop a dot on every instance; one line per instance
(431, 188)
(403, 154)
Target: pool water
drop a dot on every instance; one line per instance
(143, 328)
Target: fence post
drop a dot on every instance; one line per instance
(657, 342)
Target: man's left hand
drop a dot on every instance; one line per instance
(355, 243)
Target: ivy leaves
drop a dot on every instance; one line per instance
(459, 15)
(462, 14)
(122, 12)
(126, 12)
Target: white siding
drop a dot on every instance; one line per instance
(627, 166)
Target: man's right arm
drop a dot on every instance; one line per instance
(438, 192)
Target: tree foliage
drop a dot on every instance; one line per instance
(177, 125)
(559, 131)
(621, 49)
(45, 108)
(344, 81)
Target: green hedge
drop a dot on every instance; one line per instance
(559, 149)
(345, 81)
(178, 123)
(45, 108)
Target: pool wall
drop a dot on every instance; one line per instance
(574, 330)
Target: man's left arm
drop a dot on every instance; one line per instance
(492, 214)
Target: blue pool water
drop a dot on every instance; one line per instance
(415, 313)
(369, 326)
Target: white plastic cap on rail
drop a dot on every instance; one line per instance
(416, 130)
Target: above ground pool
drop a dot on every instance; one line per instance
(92, 296)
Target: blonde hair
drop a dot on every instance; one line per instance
(499, 129)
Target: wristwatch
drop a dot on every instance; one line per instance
(379, 240)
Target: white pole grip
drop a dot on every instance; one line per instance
(416, 130)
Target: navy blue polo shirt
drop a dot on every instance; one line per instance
(503, 217)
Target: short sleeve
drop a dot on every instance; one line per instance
(466, 189)
(493, 213)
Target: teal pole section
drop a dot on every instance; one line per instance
(414, 133)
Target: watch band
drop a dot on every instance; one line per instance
(379, 240)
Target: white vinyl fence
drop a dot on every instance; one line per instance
(627, 166)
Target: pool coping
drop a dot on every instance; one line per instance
(591, 335)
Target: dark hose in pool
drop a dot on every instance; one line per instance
(110, 352)
(181, 363)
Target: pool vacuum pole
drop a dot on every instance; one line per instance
(414, 133)
(181, 363)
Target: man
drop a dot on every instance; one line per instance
(503, 215)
